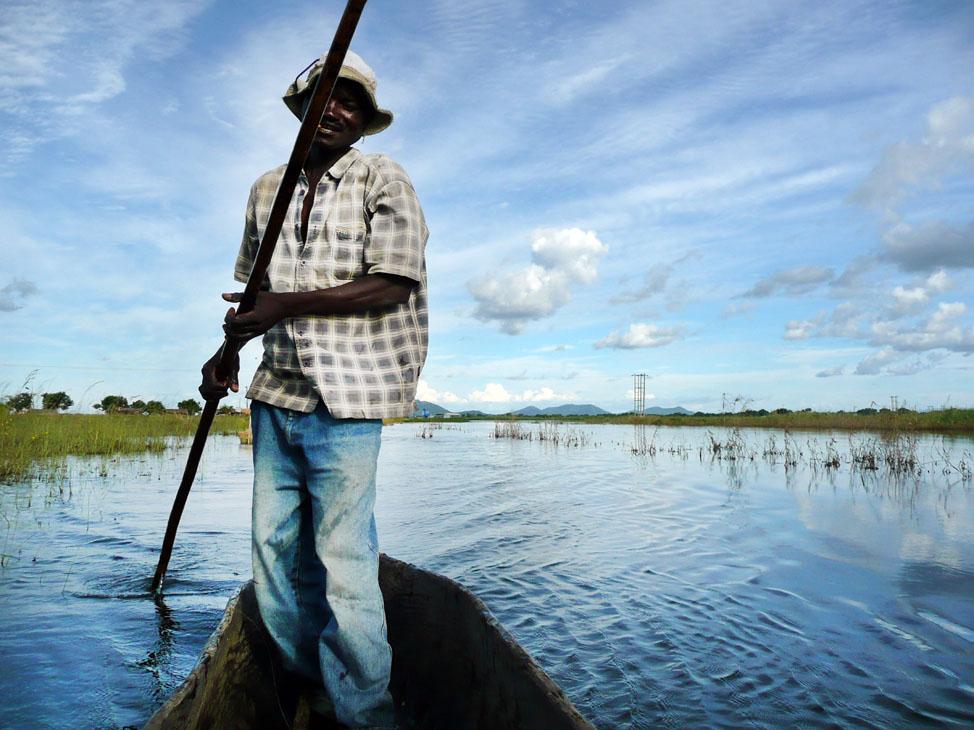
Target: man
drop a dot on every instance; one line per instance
(343, 312)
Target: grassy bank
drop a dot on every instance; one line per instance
(947, 421)
(38, 442)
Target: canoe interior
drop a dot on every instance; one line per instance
(454, 668)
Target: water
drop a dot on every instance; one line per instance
(673, 590)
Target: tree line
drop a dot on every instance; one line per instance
(61, 401)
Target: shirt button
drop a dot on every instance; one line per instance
(306, 362)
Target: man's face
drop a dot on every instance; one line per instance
(345, 117)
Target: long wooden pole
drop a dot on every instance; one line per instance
(282, 201)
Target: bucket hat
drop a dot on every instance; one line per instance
(353, 69)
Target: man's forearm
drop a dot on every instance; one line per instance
(373, 291)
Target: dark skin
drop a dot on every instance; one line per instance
(346, 116)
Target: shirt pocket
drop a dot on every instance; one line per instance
(340, 255)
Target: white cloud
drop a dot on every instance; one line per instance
(50, 77)
(560, 258)
(14, 294)
(938, 331)
(425, 392)
(554, 348)
(497, 393)
(492, 393)
(907, 301)
(641, 335)
(792, 282)
(874, 363)
(935, 245)
(831, 372)
(947, 145)
(800, 329)
(938, 282)
(888, 361)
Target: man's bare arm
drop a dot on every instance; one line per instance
(370, 292)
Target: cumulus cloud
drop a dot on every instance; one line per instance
(888, 361)
(641, 335)
(909, 300)
(497, 393)
(947, 145)
(560, 258)
(425, 392)
(914, 299)
(800, 329)
(874, 363)
(14, 295)
(939, 331)
(792, 282)
(930, 246)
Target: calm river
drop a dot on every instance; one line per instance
(677, 589)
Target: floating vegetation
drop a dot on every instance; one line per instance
(896, 454)
(893, 454)
(426, 432)
(548, 432)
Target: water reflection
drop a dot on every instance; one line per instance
(158, 660)
(682, 577)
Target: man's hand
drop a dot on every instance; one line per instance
(217, 384)
(269, 309)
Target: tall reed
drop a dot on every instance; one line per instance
(37, 443)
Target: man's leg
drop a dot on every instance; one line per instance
(280, 497)
(353, 652)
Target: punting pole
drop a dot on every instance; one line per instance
(282, 200)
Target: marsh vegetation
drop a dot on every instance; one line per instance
(37, 443)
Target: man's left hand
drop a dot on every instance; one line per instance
(269, 309)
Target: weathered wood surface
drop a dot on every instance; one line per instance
(454, 668)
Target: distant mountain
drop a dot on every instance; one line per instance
(569, 409)
(678, 411)
(428, 407)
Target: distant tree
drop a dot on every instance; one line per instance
(225, 411)
(59, 401)
(154, 406)
(138, 404)
(21, 401)
(190, 406)
(111, 403)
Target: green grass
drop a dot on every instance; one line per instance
(947, 420)
(37, 443)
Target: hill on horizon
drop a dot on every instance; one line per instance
(566, 409)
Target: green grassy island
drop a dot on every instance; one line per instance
(37, 442)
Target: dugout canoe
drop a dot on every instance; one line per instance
(454, 668)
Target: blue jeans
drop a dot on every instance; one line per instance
(315, 554)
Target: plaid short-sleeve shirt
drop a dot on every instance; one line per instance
(366, 219)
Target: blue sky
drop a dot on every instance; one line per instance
(771, 202)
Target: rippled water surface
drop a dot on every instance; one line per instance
(675, 590)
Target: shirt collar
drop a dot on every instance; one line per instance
(337, 170)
